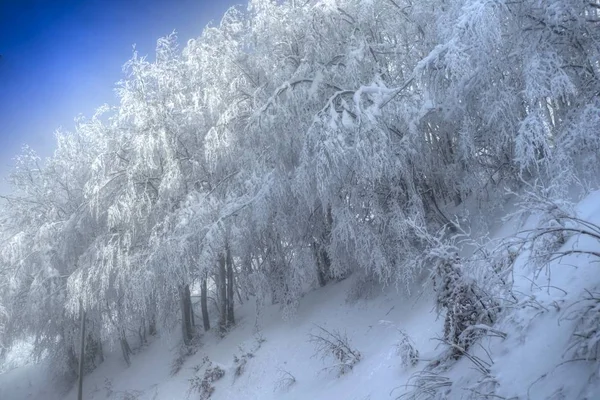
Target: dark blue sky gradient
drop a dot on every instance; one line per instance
(61, 58)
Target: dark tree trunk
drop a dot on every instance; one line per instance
(192, 316)
(125, 349)
(321, 255)
(72, 360)
(230, 289)
(92, 352)
(239, 295)
(144, 330)
(186, 323)
(100, 351)
(204, 303)
(140, 336)
(152, 325)
(323, 264)
(222, 291)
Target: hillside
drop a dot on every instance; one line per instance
(321, 199)
(533, 359)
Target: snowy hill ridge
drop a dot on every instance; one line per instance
(531, 352)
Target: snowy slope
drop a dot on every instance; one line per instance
(530, 363)
(286, 347)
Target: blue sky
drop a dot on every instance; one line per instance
(61, 58)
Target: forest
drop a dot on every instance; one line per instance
(299, 143)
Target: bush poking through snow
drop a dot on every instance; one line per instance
(585, 341)
(558, 225)
(405, 347)
(285, 381)
(185, 352)
(427, 385)
(120, 395)
(240, 363)
(203, 385)
(335, 345)
(406, 350)
(108, 386)
(130, 395)
(464, 302)
(260, 339)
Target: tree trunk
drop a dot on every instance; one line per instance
(100, 351)
(125, 349)
(186, 323)
(222, 290)
(140, 337)
(204, 303)
(323, 264)
(81, 352)
(192, 317)
(321, 256)
(230, 290)
(152, 325)
(239, 295)
(144, 330)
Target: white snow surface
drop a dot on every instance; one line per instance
(531, 363)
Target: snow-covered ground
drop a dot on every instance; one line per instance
(532, 362)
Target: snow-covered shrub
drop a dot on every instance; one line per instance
(585, 340)
(555, 222)
(405, 348)
(240, 363)
(335, 345)
(203, 385)
(93, 353)
(130, 395)
(108, 387)
(19, 354)
(120, 395)
(285, 380)
(183, 353)
(465, 304)
(260, 339)
(427, 385)
(547, 239)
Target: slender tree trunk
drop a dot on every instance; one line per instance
(152, 325)
(321, 256)
(204, 303)
(192, 317)
(222, 290)
(81, 352)
(140, 336)
(125, 348)
(100, 351)
(230, 289)
(186, 326)
(239, 295)
(144, 330)
(323, 264)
